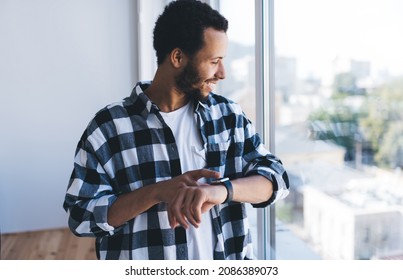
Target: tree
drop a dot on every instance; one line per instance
(337, 124)
(382, 124)
(378, 124)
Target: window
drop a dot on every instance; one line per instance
(239, 84)
(339, 132)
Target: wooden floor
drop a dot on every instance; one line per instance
(57, 244)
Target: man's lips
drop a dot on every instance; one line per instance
(211, 85)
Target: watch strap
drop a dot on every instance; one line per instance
(230, 190)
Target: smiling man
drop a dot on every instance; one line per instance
(166, 172)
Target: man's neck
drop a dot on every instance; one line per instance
(165, 95)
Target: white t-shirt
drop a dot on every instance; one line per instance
(192, 156)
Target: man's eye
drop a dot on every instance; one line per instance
(215, 62)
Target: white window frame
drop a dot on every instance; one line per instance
(265, 112)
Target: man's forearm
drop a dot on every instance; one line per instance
(129, 205)
(252, 189)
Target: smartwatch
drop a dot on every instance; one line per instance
(227, 184)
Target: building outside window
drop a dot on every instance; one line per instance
(339, 116)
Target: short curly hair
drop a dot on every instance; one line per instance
(181, 25)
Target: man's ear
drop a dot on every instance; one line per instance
(177, 58)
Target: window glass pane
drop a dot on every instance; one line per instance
(339, 126)
(239, 84)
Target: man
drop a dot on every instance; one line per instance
(148, 180)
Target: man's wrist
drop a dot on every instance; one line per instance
(228, 186)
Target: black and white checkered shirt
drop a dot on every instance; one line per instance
(127, 145)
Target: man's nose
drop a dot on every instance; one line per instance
(220, 74)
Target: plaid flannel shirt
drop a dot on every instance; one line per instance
(127, 145)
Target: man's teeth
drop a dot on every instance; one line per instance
(211, 85)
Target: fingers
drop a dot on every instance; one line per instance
(185, 208)
(192, 206)
(190, 178)
(203, 173)
(175, 214)
(187, 199)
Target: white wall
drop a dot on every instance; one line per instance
(148, 13)
(60, 61)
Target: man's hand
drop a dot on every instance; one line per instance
(187, 198)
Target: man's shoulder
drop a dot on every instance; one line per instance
(223, 103)
(126, 108)
(131, 104)
(111, 111)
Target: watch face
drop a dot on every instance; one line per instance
(219, 181)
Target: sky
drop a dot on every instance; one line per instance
(316, 31)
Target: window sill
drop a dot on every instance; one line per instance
(291, 247)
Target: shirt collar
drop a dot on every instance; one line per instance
(147, 107)
(205, 104)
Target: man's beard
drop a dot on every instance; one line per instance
(186, 81)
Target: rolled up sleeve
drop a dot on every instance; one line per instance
(263, 162)
(89, 195)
